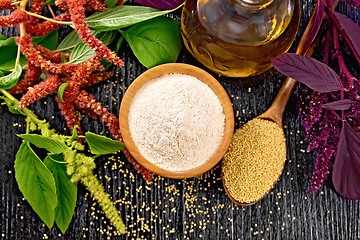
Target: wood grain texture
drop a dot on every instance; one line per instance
(196, 208)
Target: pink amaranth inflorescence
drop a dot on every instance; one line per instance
(77, 11)
(15, 18)
(49, 85)
(6, 4)
(34, 57)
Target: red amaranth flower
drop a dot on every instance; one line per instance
(41, 29)
(6, 4)
(77, 11)
(95, 5)
(34, 57)
(310, 107)
(321, 170)
(81, 103)
(49, 55)
(31, 77)
(81, 74)
(146, 174)
(69, 113)
(49, 85)
(322, 133)
(61, 4)
(15, 18)
(96, 78)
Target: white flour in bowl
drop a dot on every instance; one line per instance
(176, 121)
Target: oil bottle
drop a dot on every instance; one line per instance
(238, 38)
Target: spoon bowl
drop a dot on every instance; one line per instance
(275, 169)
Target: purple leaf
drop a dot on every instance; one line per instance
(316, 26)
(344, 104)
(316, 75)
(344, 178)
(353, 141)
(161, 4)
(348, 29)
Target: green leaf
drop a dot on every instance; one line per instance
(123, 16)
(50, 2)
(40, 141)
(82, 52)
(102, 145)
(8, 81)
(2, 39)
(61, 91)
(74, 133)
(49, 41)
(8, 54)
(72, 40)
(110, 3)
(36, 183)
(66, 191)
(43, 75)
(57, 158)
(63, 59)
(119, 43)
(156, 41)
(6, 71)
(106, 64)
(69, 42)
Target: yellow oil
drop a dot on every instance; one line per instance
(233, 59)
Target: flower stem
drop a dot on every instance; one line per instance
(26, 111)
(48, 19)
(343, 69)
(51, 11)
(23, 5)
(8, 95)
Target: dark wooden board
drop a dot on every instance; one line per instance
(195, 208)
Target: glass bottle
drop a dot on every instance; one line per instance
(238, 38)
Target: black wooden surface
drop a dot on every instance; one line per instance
(195, 208)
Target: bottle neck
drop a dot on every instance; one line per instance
(253, 5)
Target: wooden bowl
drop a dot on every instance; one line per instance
(204, 77)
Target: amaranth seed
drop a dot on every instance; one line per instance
(254, 160)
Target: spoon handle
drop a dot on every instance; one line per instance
(277, 108)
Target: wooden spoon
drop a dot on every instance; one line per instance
(276, 110)
(274, 114)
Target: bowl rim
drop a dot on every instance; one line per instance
(203, 76)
